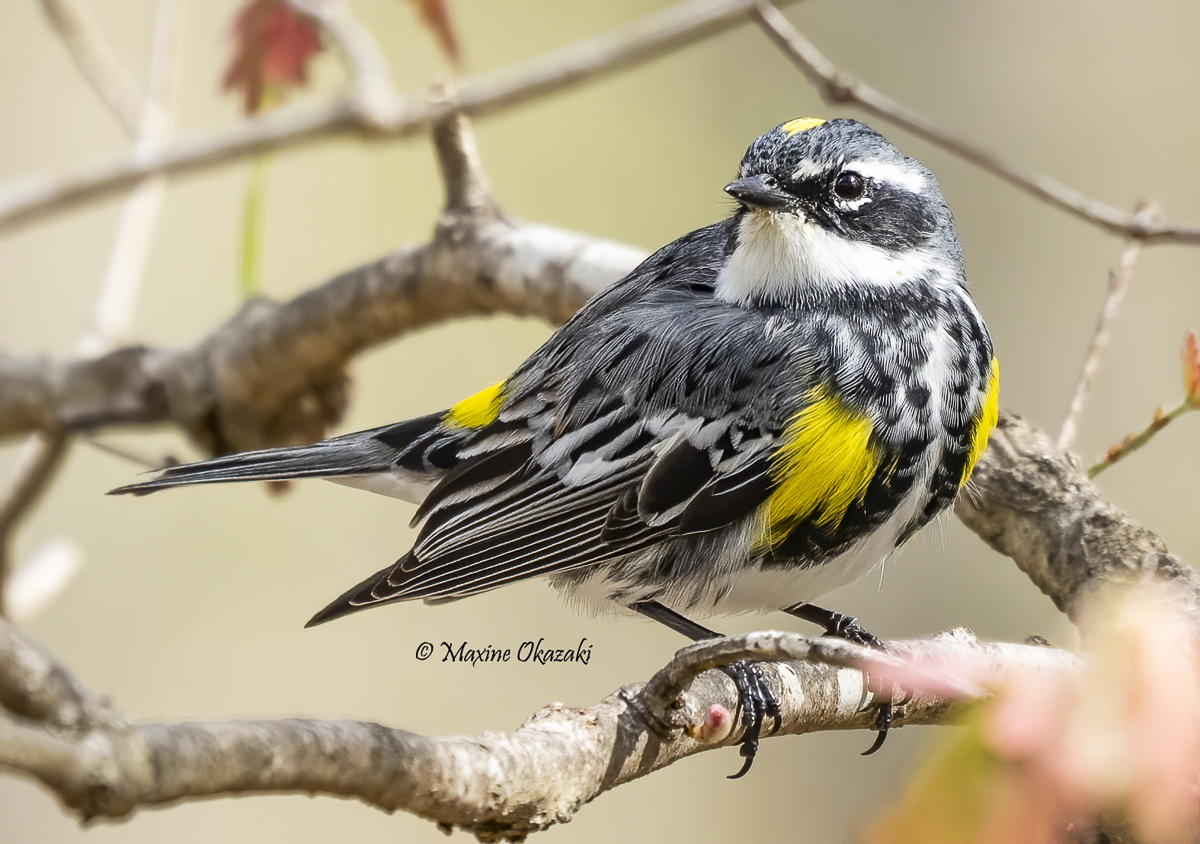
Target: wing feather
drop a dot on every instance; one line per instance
(599, 478)
(633, 424)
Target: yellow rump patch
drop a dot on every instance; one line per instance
(800, 124)
(477, 410)
(825, 464)
(984, 424)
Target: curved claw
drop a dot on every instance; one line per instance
(880, 737)
(757, 702)
(883, 723)
(748, 752)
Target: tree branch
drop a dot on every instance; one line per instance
(34, 686)
(839, 87)
(469, 199)
(497, 786)
(1030, 501)
(373, 91)
(1118, 282)
(36, 467)
(274, 373)
(374, 111)
(658, 34)
(147, 122)
(73, 22)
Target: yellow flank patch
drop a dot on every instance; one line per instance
(477, 410)
(984, 424)
(825, 464)
(800, 124)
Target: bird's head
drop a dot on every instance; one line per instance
(826, 204)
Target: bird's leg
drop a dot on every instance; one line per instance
(755, 699)
(836, 624)
(845, 627)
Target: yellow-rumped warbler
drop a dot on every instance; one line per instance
(761, 411)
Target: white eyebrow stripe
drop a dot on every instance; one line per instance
(892, 174)
(807, 170)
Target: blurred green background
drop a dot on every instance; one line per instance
(190, 604)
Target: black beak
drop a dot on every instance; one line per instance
(763, 192)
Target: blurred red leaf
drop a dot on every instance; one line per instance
(435, 14)
(1054, 752)
(1124, 741)
(272, 44)
(1191, 369)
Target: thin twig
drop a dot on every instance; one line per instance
(839, 87)
(39, 460)
(1131, 443)
(45, 450)
(1118, 283)
(131, 456)
(374, 93)
(663, 32)
(648, 38)
(73, 22)
(468, 189)
(34, 197)
(112, 314)
(36, 686)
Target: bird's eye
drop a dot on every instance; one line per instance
(849, 185)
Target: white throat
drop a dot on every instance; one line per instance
(780, 255)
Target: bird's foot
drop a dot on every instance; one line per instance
(757, 703)
(847, 627)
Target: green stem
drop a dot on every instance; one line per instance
(253, 222)
(1135, 441)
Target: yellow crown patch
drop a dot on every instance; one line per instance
(800, 124)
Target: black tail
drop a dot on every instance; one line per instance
(364, 453)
